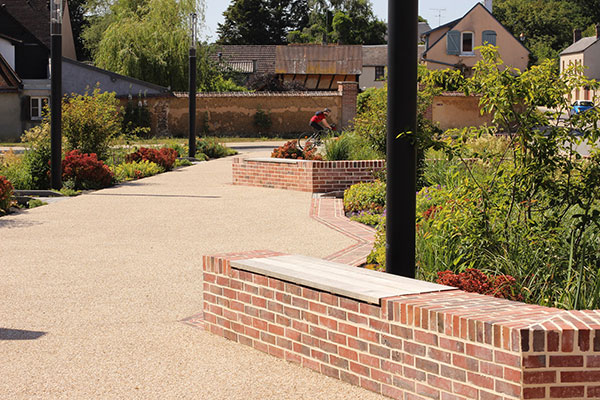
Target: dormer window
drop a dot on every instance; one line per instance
(467, 43)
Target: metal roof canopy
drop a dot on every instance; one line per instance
(319, 59)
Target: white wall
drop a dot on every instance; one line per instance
(8, 52)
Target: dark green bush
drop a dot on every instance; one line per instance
(212, 148)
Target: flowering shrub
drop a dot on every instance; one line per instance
(291, 150)
(85, 171)
(164, 157)
(136, 170)
(475, 281)
(6, 191)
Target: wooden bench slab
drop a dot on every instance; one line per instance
(352, 282)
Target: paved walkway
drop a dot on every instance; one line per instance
(95, 290)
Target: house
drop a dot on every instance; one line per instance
(25, 66)
(584, 51)
(454, 45)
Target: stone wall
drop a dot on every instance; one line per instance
(448, 345)
(233, 113)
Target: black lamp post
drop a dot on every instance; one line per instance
(192, 91)
(56, 13)
(401, 153)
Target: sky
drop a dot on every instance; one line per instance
(436, 12)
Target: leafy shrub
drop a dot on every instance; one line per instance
(33, 203)
(136, 170)
(85, 171)
(475, 281)
(91, 121)
(212, 148)
(165, 157)
(37, 157)
(6, 192)
(182, 163)
(291, 150)
(368, 196)
(338, 148)
(14, 168)
(267, 82)
(367, 217)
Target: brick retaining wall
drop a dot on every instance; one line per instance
(446, 346)
(303, 175)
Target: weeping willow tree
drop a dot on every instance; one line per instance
(148, 40)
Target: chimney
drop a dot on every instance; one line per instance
(489, 5)
(576, 35)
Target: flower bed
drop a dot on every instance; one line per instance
(303, 175)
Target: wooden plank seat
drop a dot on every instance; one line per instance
(344, 280)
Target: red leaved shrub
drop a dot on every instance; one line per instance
(6, 192)
(165, 157)
(475, 281)
(86, 171)
(291, 150)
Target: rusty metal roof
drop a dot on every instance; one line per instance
(319, 59)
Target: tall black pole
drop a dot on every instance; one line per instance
(192, 88)
(56, 94)
(401, 153)
(192, 104)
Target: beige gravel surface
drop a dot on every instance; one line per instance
(106, 278)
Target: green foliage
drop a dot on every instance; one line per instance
(367, 217)
(338, 148)
(136, 170)
(342, 22)
(213, 149)
(145, 39)
(182, 162)
(261, 21)
(34, 203)
(136, 118)
(525, 205)
(369, 196)
(262, 120)
(547, 26)
(290, 150)
(89, 122)
(14, 168)
(37, 157)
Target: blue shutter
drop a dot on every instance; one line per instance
(489, 37)
(453, 42)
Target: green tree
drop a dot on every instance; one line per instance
(591, 9)
(261, 21)
(343, 22)
(546, 25)
(79, 22)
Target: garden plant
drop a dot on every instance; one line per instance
(515, 199)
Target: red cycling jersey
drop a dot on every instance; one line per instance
(318, 117)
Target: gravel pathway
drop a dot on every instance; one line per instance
(95, 288)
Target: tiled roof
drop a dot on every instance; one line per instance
(375, 55)
(580, 46)
(34, 15)
(9, 81)
(264, 55)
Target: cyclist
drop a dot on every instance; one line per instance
(319, 122)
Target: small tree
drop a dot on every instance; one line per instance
(91, 121)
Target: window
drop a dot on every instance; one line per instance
(379, 73)
(488, 37)
(467, 43)
(37, 107)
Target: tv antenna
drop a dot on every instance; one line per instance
(439, 14)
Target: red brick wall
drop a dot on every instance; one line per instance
(302, 175)
(445, 346)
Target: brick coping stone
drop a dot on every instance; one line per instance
(441, 345)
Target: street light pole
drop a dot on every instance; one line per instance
(401, 153)
(56, 12)
(192, 88)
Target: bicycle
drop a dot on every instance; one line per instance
(308, 142)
